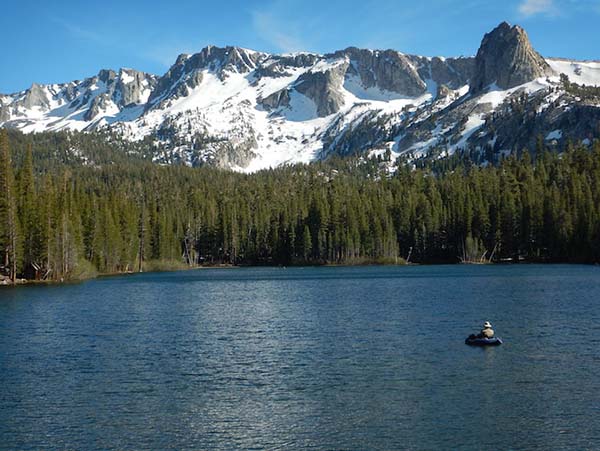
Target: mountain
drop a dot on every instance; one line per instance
(506, 59)
(79, 105)
(246, 110)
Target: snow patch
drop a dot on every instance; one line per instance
(353, 84)
(580, 72)
(126, 77)
(473, 124)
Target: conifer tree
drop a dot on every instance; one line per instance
(9, 233)
(29, 218)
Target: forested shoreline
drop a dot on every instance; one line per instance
(63, 220)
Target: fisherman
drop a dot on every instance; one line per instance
(487, 331)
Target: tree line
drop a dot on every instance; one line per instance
(71, 220)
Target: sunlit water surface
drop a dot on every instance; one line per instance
(304, 358)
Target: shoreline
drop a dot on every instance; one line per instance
(30, 282)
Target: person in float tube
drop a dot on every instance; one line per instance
(487, 331)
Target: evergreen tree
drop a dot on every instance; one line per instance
(28, 214)
(9, 234)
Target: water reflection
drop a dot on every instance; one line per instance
(322, 358)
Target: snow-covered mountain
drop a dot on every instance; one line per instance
(247, 110)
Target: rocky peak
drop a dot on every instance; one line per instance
(107, 76)
(219, 59)
(36, 96)
(278, 65)
(507, 59)
(165, 84)
(186, 73)
(131, 86)
(121, 89)
(301, 59)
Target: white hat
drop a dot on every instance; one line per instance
(487, 324)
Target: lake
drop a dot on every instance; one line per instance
(304, 358)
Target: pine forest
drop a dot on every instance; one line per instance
(67, 213)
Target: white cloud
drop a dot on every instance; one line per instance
(529, 8)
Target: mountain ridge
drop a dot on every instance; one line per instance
(245, 110)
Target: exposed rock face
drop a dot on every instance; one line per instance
(224, 59)
(279, 65)
(324, 88)
(452, 72)
(131, 85)
(99, 103)
(227, 155)
(69, 91)
(4, 108)
(121, 90)
(277, 99)
(36, 97)
(387, 69)
(107, 76)
(168, 84)
(298, 60)
(507, 59)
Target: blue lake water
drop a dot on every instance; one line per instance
(304, 358)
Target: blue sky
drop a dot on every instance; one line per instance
(59, 41)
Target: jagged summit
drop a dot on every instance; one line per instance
(243, 109)
(507, 59)
(187, 72)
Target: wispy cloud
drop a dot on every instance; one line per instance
(164, 52)
(529, 8)
(278, 30)
(81, 33)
